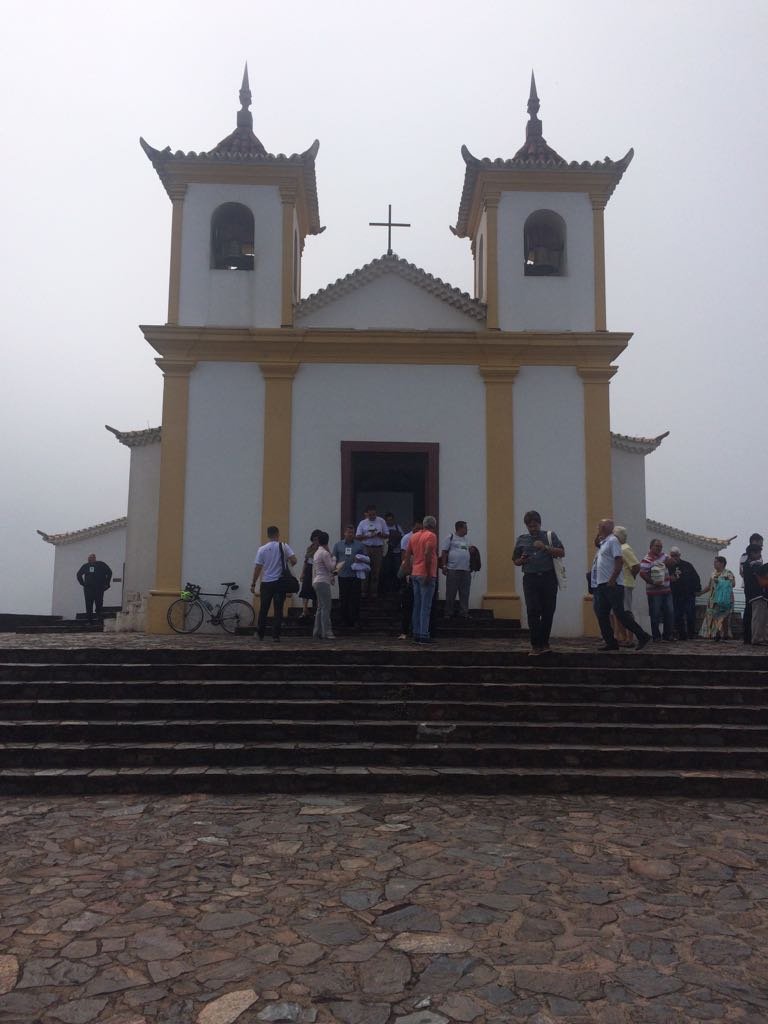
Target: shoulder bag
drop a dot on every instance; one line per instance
(287, 583)
(559, 566)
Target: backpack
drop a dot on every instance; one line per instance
(475, 562)
(723, 598)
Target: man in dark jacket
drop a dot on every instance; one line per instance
(685, 584)
(94, 577)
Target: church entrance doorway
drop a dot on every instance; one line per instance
(398, 477)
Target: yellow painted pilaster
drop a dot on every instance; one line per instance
(288, 199)
(597, 459)
(598, 232)
(177, 193)
(492, 259)
(173, 467)
(276, 473)
(500, 595)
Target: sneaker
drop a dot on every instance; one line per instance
(643, 642)
(608, 647)
(535, 652)
(403, 636)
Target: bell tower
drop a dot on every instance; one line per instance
(536, 227)
(240, 219)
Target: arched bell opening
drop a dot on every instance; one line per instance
(232, 237)
(544, 244)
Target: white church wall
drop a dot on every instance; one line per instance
(562, 303)
(231, 298)
(389, 302)
(549, 463)
(225, 444)
(67, 593)
(141, 535)
(388, 403)
(628, 480)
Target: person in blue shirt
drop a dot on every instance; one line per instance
(349, 584)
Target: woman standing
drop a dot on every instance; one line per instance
(720, 602)
(323, 566)
(307, 593)
(654, 569)
(629, 578)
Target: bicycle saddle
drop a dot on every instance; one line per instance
(232, 584)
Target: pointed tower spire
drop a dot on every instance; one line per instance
(244, 116)
(533, 130)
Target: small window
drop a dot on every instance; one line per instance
(232, 235)
(544, 244)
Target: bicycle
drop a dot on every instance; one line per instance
(187, 613)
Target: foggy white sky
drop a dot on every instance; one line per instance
(392, 90)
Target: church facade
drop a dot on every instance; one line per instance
(388, 385)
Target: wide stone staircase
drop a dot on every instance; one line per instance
(269, 718)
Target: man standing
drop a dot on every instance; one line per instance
(454, 561)
(406, 591)
(654, 569)
(685, 584)
(349, 585)
(534, 553)
(94, 577)
(268, 565)
(755, 541)
(372, 531)
(608, 593)
(422, 565)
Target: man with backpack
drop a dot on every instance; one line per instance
(456, 557)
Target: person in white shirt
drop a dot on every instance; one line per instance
(372, 531)
(454, 562)
(608, 591)
(323, 568)
(268, 566)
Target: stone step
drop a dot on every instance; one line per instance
(743, 784)
(443, 670)
(400, 709)
(425, 754)
(341, 731)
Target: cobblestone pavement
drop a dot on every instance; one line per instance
(383, 909)
(373, 642)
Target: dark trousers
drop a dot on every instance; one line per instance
(94, 602)
(685, 615)
(349, 599)
(540, 590)
(389, 580)
(607, 599)
(746, 620)
(269, 593)
(662, 613)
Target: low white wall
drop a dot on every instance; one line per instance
(443, 404)
(549, 466)
(67, 593)
(141, 535)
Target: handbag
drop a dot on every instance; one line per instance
(559, 566)
(287, 582)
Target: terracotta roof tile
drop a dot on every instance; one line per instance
(460, 300)
(638, 445)
(713, 543)
(89, 531)
(135, 438)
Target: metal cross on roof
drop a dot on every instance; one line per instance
(388, 224)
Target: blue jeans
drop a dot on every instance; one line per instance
(423, 589)
(662, 612)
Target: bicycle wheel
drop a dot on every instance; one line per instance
(185, 616)
(236, 615)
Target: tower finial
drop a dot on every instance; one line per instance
(533, 130)
(244, 116)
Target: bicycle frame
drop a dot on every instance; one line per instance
(213, 611)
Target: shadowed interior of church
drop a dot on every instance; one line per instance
(393, 481)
